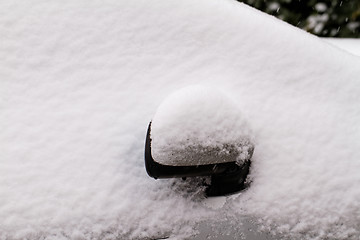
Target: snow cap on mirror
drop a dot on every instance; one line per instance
(197, 126)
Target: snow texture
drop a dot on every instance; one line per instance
(81, 80)
(198, 126)
(350, 45)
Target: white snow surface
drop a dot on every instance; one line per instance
(200, 125)
(81, 80)
(351, 45)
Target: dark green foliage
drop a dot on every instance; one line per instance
(326, 18)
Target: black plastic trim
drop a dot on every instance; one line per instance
(226, 178)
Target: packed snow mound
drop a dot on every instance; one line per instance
(81, 80)
(197, 126)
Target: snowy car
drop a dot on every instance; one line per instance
(80, 81)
